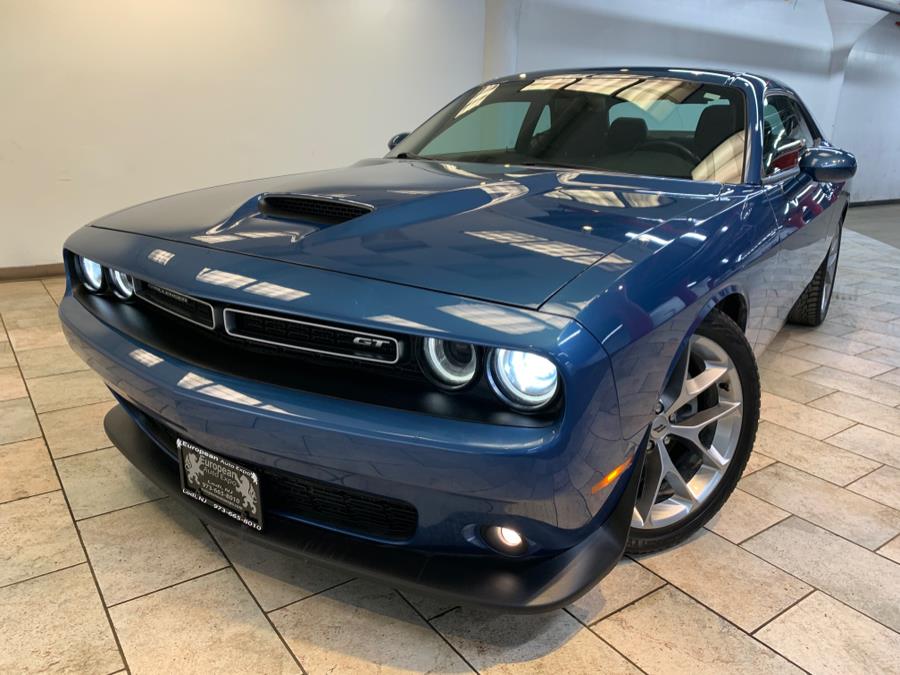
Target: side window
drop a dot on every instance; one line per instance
(783, 121)
(805, 125)
(494, 126)
(543, 123)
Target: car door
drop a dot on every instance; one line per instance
(805, 209)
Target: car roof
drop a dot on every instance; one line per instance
(713, 75)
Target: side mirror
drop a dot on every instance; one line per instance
(395, 140)
(828, 165)
(785, 157)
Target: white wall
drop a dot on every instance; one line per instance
(869, 110)
(110, 102)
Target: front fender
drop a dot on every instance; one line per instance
(672, 278)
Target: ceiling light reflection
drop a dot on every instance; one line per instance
(160, 256)
(535, 244)
(145, 358)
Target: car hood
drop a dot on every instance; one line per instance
(513, 235)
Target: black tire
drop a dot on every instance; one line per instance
(812, 306)
(729, 336)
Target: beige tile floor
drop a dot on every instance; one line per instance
(801, 571)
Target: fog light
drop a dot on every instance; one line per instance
(509, 537)
(123, 284)
(91, 273)
(505, 540)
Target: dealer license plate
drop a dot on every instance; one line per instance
(220, 483)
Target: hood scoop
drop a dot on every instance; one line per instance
(311, 209)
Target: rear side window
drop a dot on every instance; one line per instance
(783, 121)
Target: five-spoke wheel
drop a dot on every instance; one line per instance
(701, 436)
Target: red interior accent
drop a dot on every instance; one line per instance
(786, 161)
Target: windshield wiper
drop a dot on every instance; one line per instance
(559, 165)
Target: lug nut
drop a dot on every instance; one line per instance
(659, 407)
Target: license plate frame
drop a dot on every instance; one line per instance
(220, 483)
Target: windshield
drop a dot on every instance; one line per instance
(655, 126)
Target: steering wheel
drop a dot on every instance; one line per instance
(672, 148)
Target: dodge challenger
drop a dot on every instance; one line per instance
(488, 363)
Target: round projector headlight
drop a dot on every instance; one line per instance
(452, 364)
(91, 273)
(123, 284)
(524, 379)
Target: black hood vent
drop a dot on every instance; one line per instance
(318, 210)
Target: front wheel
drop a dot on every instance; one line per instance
(701, 437)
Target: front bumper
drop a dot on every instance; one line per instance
(490, 581)
(457, 473)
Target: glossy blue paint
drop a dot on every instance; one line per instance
(605, 274)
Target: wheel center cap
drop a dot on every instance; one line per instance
(660, 426)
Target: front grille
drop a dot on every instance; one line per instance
(193, 310)
(311, 337)
(340, 507)
(291, 495)
(311, 209)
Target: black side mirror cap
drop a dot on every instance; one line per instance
(828, 165)
(395, 140)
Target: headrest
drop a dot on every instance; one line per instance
(626, 133)
(716, 123)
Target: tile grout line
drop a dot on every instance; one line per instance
(434, 629)
(310, 595)
(121, 508)
(822, 590)
(807, 520)
(718, 614)
(167, 587)
(81, 452)
(72, 516)
(36, 494)
(602, 639)
(42, 574)
(812, 589)
(253, 597)
(832, 445)
(836, 447)
(765, 529)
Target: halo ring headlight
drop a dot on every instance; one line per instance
(525, 380)
(91, 273)
(452, 364)
(122, 283)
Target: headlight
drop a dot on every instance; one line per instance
(524, 379)
(123, 284)
(452, 364)
(91, 273)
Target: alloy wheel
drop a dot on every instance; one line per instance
(693, 437)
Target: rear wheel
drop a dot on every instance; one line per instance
(812, 306)
(701, 437)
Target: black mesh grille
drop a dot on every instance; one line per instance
(176, 303)
(312, 337)
(308, 209)
(290, 494)
(344, 508)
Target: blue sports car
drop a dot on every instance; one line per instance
(486, 364)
